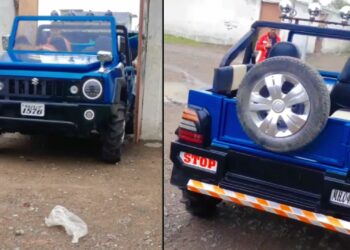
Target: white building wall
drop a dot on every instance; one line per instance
(221, 22)
(7, 10)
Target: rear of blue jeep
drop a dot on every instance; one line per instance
(67, 75)
(214, 158)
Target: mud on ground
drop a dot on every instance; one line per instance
(121, 204)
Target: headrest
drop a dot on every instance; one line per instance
(228, 78)
(284, 49)
(344, 76)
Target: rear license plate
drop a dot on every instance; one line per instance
(32, 109)
(199, 162)
(340, 198)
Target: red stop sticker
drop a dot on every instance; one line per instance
(199, 162)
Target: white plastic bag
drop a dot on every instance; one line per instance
(74, 226)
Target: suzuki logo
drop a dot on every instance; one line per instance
(35, 81)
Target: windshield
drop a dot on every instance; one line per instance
(63, 36)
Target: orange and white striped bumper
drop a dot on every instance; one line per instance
(309, 217)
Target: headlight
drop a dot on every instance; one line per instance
(345, 14)
(92, 89)
(2, 86)
(74, 90)
(286, 7)
(314, 10)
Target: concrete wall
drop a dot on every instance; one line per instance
(152, 119)
(221, 22)
(7, 10)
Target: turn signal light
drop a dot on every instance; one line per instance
(190, 115)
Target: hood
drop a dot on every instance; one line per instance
(48, 61)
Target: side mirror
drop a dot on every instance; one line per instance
(5, 42)
(104, 57)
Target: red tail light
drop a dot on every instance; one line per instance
(190, 136)
(193, 126)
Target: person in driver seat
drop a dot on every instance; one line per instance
(265, 43)
(59, 44)
(57, 37)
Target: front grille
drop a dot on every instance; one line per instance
(35, 88)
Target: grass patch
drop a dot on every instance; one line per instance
(179, 40)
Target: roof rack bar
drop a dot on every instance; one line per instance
(297, 20)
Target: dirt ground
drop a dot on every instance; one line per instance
(234, 227)
(121, 204)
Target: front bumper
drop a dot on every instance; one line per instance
(300, 187)
(59, 117)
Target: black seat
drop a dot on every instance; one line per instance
(284, 49)
(340, 95)
(344, 76)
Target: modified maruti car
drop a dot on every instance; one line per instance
(69, 75)
(274, 135)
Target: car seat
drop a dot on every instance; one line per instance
(284, 49)
(340, 95)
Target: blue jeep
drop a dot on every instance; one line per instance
(69, 75)
(273, 135)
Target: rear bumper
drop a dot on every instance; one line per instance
(306, 216)
(297, 186)
(59, 117)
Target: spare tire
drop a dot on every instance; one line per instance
(283, 104)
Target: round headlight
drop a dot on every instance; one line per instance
(2, 86)
(345, 14)
(89, 114)
(74, 90)
(92, 89)
(286, 7)
(314, 10)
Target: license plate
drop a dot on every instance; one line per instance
(32, 109)
(339, 197)
(199, 162)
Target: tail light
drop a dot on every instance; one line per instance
(193, 126)
(190, 136)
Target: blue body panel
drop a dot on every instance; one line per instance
(330, 151)
(108, 78)
(17, 63)
(23, 60)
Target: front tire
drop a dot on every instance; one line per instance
(113, 138)
(199, 205)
